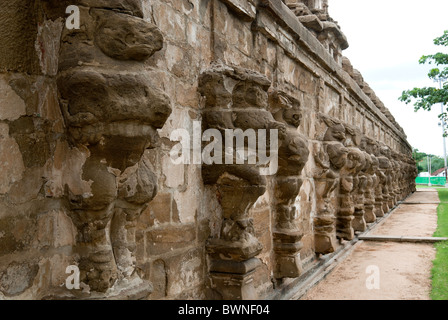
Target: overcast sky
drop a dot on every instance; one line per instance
(387, 38)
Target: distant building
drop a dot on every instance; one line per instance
(423, 174)
(439, 173)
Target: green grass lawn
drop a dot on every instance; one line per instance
(421, 186)
(440, 264)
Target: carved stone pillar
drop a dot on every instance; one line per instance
(326, 182)
(369, 192)
(236, 98)
(357, 159)
(359, 221)
(394, 182)
(372, 148)
(329, 157)
(413, 172)
(388, 189)
(384, 166)
(112, 113)
(392, 187)
(348, 195)
(405, 187)
(293, 154)
(397, 183)
(379, 210)
(392, 173)
(337, 154)
(402, 178)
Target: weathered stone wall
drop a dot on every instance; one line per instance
(86, 177)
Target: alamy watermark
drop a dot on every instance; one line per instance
(373, 280)
(230, 149)
(73, 21)
(72, 281)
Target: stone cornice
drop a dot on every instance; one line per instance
(303, 37)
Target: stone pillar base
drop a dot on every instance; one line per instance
(347, 234)
(287, 246)
(379, 211)
(386, 207)
(125, 289)
(359, 223)
(391, 203)
(234, 280)
(369, 214)
(344, 228)
(232, 265)
(325, 243)
(288, 266)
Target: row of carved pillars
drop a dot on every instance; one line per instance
(356, 180)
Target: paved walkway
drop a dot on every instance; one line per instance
(378, 270)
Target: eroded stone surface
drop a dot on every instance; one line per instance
(12, 105)
(86, 175)
(12, 167)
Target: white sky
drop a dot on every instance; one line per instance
(387, 38)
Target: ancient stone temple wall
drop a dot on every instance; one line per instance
(90, 116)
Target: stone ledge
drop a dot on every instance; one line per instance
(287, 19)
(243, 8)
(429, 202)
(402, 239)
(311, 21)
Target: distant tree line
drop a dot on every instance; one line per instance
(422, 161)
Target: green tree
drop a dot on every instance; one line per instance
(418, 156)
(427, 97)
(421, 159)
(437, 163)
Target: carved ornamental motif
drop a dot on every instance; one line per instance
(112, 113)
(293, 155)
(330, 157)
(236, 98)
(313, 14)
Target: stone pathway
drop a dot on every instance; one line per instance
(388, 270)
